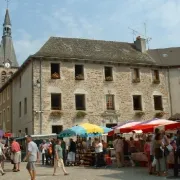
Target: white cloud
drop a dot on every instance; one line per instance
(26, 45)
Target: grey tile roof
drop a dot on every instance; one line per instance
(95, 50)
(166, 56)
(7, 52)
(7, 20)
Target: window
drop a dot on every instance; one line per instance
(110, 102)
(158, 103)
(56, 101)
(79, 72)
(4, 116)
(20, 82)
(156, 78)
(108, 73)
(1, 98)
(55, 71)
(80, 102)
(19, 109)
(136, 75)
(57, 129)
(25, 105)
(4, 95)
(3, 77)
(137, 102)
(7, 92)
(26, 131)
(8, 115)
(0, 118)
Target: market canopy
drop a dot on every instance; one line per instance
(150, 125)
(85, 130)
(116, 129)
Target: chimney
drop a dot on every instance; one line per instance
(140, 44)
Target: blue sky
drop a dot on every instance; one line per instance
(34, 21)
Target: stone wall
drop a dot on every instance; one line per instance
(95, 88)
(21, 89)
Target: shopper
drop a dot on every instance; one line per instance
(159, 155)
(43, 149)
(32, 156)
(147, 148)
(152, 153)
(118, 146)
(16, 150)
(2, 158)
(58, 160)
(63, 146)
(99, 154)
(72, 152)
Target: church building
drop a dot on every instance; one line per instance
(8, 66)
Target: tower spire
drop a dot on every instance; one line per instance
(7, 52)
(7, 21)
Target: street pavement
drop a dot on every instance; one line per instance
(80, 173)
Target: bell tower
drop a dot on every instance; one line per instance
(8, 61)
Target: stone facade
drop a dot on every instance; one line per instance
(6, 109)
(95, 88)
(22, 101)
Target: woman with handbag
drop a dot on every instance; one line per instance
(159, 155)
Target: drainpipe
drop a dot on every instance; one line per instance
(169, 87)
(40, 89)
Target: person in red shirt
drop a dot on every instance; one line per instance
(16, 150)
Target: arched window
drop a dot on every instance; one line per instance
(3, 76)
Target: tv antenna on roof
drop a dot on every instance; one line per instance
(136, 33)
(7, 1)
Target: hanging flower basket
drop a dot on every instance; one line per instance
(156, 81)
(159, 114)
(80, 114)
(109, 78)
(137, 80)
(140, 113)
(56, 113)
(55, 76)
(79, 77)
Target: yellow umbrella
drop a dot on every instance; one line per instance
(92, 128)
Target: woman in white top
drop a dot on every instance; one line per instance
(99, 154)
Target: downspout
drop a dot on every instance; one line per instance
(170, 97)
(40, 99)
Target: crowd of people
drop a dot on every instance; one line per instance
(31, 157)
(156, 147)
(57, 153)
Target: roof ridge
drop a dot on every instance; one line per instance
(86, 39)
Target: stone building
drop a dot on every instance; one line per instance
(8, 65)
(70, 81)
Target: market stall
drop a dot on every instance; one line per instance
(85, 152)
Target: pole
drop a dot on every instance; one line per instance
(40, 89)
